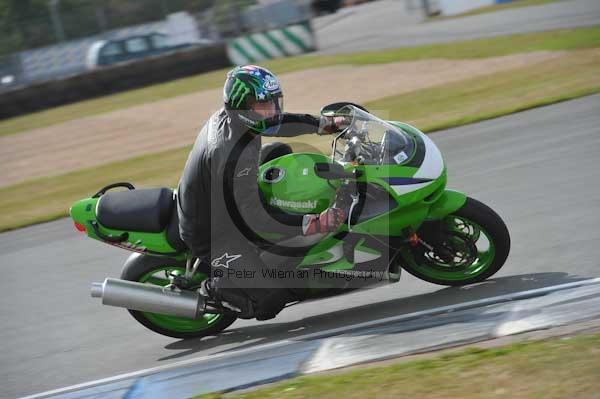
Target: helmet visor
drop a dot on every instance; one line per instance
(269, 109)
(267, 115)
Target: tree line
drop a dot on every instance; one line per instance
(26, 24)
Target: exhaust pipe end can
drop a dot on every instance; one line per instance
(97, 290)
(148, 298)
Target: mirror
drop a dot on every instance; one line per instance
(332, 109)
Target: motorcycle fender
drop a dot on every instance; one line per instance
(450, 201)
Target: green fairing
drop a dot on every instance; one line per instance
(343, 264)
(271, 236)
(450, 201)
(412, 208)
(319, 253)
(299, 189)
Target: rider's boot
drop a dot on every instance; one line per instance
(262, 304)
(230, 298)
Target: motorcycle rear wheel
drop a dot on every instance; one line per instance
(473, 245)
(153, 271)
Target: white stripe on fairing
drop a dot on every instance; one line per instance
(301, 33)
(249, 48)
(267, 45)
(336, 253)
(289, 47)
(362, 256)
(433, 164)
(407, 188)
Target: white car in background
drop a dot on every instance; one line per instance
(109, 52)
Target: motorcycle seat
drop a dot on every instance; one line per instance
(145, 210)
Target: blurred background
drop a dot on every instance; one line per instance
(42, 40)
(98, 91)
(49, 39)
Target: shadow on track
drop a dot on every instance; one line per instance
(261, 334)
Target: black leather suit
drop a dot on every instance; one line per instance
(220, 210)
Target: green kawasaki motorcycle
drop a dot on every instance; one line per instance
(388, 176)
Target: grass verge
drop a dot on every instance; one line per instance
(49, 198)
(494, 8)
(554, 368)
(480, 48)
(454, 104)
(570, 76)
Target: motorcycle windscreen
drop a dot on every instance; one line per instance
(368, 140)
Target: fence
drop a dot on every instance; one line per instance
(111, 79)
(218, 23)
(60, 60)
(291, 40)
(53, 75)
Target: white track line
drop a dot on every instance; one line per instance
(324, 334)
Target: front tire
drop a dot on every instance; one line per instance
(469, 246)
(154, 270)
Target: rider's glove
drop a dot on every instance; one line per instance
(327, 222)
(330, 124)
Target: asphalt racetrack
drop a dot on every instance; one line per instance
(538, 169)
(388, 24)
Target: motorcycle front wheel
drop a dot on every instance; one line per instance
(466, 247)
(151, 271)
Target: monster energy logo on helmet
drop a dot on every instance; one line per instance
(245, 85)
(238, 93)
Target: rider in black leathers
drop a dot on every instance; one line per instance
(219, 202)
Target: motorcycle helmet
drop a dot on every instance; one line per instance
(252, 96)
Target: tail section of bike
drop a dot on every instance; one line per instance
(142, 221)
(145, 221)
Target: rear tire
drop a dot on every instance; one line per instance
(152, 270)
(466, 232)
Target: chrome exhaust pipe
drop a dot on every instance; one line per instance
(149, 298)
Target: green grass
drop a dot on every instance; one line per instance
(494, 8)
(550, 369)
(49, 198)
(112, 102)
(454, 104)
(570, 76)
(480, 48)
